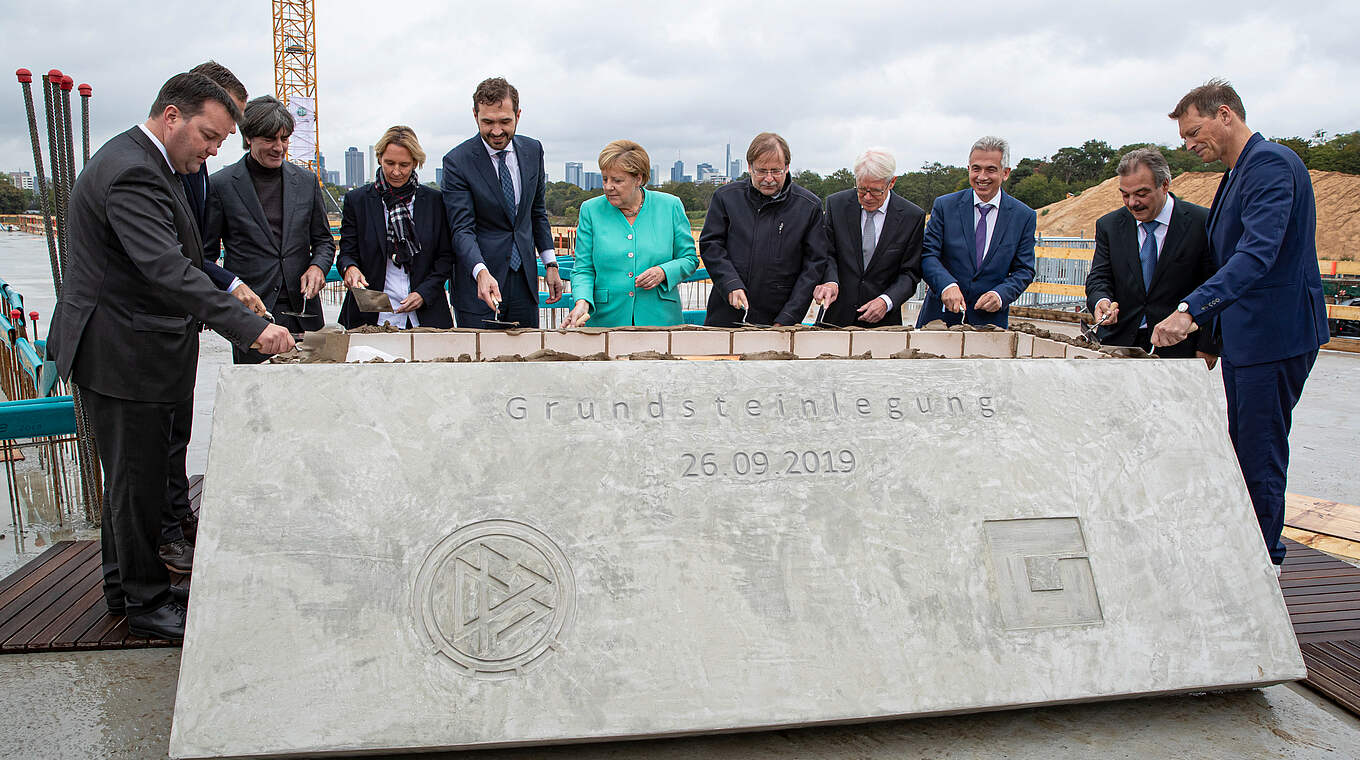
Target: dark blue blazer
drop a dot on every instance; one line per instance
(482, 225)
(1267, 293)
(947, 257)
(196, 188)
(363, 244)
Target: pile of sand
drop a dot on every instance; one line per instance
(1337, 196)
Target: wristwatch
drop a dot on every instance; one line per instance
(1183, 307)
(552, 265)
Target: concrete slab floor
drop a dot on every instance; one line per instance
(117, 705)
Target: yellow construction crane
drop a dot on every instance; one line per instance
(295, 78)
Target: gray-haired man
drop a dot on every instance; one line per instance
(268, 215)
(875, 247)
(978, 252)
(1149, 256)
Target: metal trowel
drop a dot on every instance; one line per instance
(373, 301)
(495, 322)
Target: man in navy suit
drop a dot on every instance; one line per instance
(978, 252)
(494, 187)
(1266, 298)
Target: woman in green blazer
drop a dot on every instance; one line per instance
(633, 248)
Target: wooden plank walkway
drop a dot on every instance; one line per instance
(55, 603)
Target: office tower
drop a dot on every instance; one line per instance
(678, 171)
(728, 161)
(574, 173)
(354, 167)
(321, 165)
(734, 169)
(439, 176)
(332, 177)
(703, 170)
(656, 175)
(594, 181)
(372, 163)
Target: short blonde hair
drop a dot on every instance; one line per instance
(404, 137)
(628, 156)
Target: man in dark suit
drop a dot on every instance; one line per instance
(978, 252)
(1149, 255)
(875, 237)
(179, 527)
(494, 186)
(269, 216)
(125, 329)
(763, 242)
(1266, 296)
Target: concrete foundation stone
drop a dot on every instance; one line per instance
(758, 341)
(1024, 345)
(494, 343)
(810, 344)
(578, 342)
(991, 345)
(625, 342)
(440, 345)
(879, 344)
(946, 343)
(709, 547)
(714, 342)
(396, 344)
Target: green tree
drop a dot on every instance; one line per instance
(1038, 190)
(933, 180)
(12, 200)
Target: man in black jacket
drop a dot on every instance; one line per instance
(763, 242)
(1149, 256)
(876, 247)
(269, 216)
(125, 329)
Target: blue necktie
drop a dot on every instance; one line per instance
(1147, 254)
(508, 189)
(980, 233)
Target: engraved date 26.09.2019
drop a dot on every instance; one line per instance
(768, 464)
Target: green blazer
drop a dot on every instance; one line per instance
(611, 253)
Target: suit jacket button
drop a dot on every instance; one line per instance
(630, 294)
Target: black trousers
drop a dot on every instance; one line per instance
(134, 442)
(518, 304)
(177, 482)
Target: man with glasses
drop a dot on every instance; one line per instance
(763, 243)
(875, 238)
(978, 252)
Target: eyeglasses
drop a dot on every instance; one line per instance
(870, 192)
(767, 172)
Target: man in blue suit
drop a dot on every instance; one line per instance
(494, 187)
(1266, 298)
(978, 251)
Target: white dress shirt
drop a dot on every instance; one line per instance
(397, 284)
(235, 281)
(512, 165)
(879, 217)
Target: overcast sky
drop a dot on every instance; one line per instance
(683, 79)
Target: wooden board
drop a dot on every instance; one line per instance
(1329, 518)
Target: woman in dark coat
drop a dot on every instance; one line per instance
(394, 237)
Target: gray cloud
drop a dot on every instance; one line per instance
(922, 79)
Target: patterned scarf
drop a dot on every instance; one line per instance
(401, 232)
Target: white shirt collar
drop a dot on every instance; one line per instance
(1165, 216)
(510, 147)
(995, 202)
(159, 146)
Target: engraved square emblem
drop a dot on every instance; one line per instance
(1041, 573)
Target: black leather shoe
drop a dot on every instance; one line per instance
(178, 593)
(164, 623)
(178, 556)
(190, 527)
